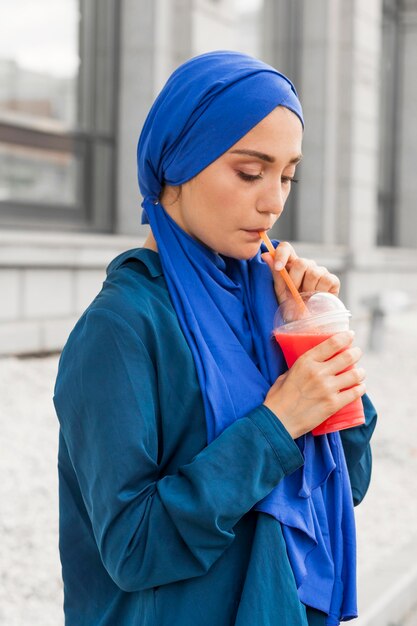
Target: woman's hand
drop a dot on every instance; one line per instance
(306, 274)
(317, 385)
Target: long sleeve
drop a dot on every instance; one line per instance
(150, 528)
(358, 451)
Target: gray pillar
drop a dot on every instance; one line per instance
(406, 214)
(136, 90)
(281, 47)
(358, 116)
(319, 87)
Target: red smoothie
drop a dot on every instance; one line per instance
(293, 346)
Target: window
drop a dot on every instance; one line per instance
(57, 79)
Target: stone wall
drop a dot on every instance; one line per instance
(46, 282)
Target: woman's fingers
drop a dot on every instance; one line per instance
(342, 361)
(328, 282)
(322, 380)
(305, 273)
(318, 278)
(339, 370)
(302, 273)
(331, 346)
(318, 384)
(352, 377)
(284, 253)
(349, 395)
(308, 276)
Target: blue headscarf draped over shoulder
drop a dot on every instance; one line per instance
(226, 308)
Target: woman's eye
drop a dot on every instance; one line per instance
(249, 178)
(289, 179)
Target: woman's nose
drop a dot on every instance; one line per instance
(272, 200)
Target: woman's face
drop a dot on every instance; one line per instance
(244, 190)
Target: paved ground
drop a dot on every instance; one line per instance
(30, 586)
(411, 619)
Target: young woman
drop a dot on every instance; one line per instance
(192, 491)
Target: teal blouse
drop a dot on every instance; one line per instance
(156, 526)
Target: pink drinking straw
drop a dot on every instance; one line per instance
(286, 277)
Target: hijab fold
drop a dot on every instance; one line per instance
(226, 308)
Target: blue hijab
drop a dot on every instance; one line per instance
(226, 307)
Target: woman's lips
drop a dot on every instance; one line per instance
(254, 232)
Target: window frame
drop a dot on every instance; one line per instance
(92, 142)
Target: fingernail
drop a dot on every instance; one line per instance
(279, 265)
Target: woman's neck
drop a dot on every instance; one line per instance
(150, 242)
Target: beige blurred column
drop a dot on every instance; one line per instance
(406, 218)
(185, 28)
(135, 93)
(155, 37)
(320, 93)
(359, 72)
(213, 25)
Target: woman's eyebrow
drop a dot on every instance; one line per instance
(265, 157)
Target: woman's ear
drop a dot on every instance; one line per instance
(170, 194)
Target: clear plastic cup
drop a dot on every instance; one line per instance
(297, 331)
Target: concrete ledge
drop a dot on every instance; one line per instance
(389, 594)
(22, 248)
(80, 250)
(61, 250)
(34, 336)
(380, 258)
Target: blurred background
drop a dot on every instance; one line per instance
(77, 78)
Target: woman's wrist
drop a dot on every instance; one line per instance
(289, 423)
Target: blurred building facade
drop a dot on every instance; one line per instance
(69, 200)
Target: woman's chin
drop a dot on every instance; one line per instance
(244, 253)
